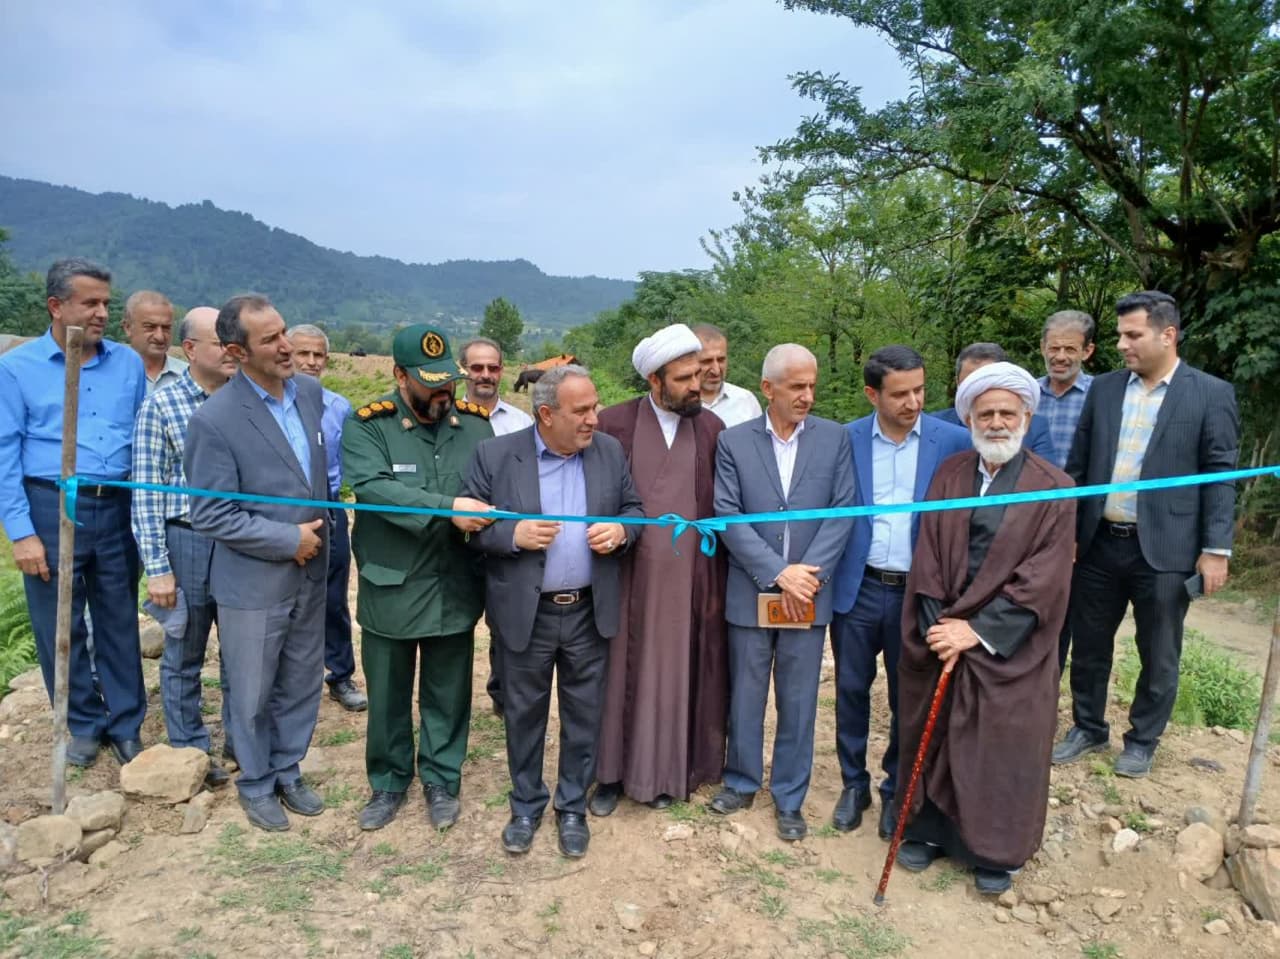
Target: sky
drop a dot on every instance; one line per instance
(598, 138)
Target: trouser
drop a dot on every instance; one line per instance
(274, 659)
(183, 658)
(794, 658)
(565, 644)
(339, 657)
(494, 686)
(105, 577)
(872, 627)
(444, 708)
(1110, 576)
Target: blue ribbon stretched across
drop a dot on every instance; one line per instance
(706, 527)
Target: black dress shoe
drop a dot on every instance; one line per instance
(1075, 744)
(517, 835)
(298, 797)
(730, 800)
(888, 819)
(498, 709)
(574, 834)
(660, 801)
(791, 826)
(917, 856)
(125, 750)
(265, 813)
(380, 809)
(347, 695)
(992, 882)
(847, 816)
(442, 808)
(216, 777)
(604, 799)
(1135, 762)
(83, 750)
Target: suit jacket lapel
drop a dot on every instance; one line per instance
(1114, 410)
(764, 446)
(1175, 393)
(527, 497)
(592, 475)
(862, 461)
(262, 420)
(319, 455)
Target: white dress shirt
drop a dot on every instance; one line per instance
(505, 418)
(784, 452)
(734, 405)
(670, 422)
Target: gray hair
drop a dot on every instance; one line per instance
(57, 283)
(709, 331)
(309, 329)
(1070, 320)
(983, 353)
(546, 391)
(145, 298)
(781, 356)
(230, 329)
(479, 341)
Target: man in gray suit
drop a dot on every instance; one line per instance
(261, 434)
(784, 460)
(552, 591)
(1158, 549)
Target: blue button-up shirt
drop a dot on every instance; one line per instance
(563, 485)
(287, 417)
(32, 378)
(893, 480)
(1063, 414)
(336, 411)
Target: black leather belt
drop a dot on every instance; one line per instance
(567, 597)
(83, 489)
(887, 577)
(1121, 530)
(180, 523)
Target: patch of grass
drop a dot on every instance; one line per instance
(401, 951)
(1100, 950)
(856, 937)
(210, 682)
(1138, 822)
(337, 795)
(686, 811)
(1213, 688)
(826, 702)
(495, 868)
(428, 870)
(284, 870)
(51, 942)
(382, 887)
(828, 875)
(339, 737)
(10, 926)
(186, 934)
(1102, 769)
(772, 907)
(942, 879)
(826, 831)
(1063, 795)
(383, 849)
(494, 800)
(776, 857)
(75, 774)
(1210, 914)
(1111, 795)
(548, 916)
(753, 872)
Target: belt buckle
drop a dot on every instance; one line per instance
(891, 578)
(565, 599)
(1122, 530)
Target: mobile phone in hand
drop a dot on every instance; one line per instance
(1195, 586)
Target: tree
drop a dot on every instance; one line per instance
(502, 323)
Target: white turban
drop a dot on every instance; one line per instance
(669, 343)
(997, 376)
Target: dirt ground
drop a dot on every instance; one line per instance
(680, 883)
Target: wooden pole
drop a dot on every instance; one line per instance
(1262, 731)
(66, 563)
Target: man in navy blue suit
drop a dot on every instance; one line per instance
(1039, 439)
(895, 453)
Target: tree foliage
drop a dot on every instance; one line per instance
(503, 324)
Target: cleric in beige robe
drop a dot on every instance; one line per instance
(667, 693)
(988, 593)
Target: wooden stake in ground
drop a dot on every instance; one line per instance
(66, 563)
(1262, 731)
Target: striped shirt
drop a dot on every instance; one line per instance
(1063, 414)
(1137, 421)
(159, 440)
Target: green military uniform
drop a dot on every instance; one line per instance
(420, 590)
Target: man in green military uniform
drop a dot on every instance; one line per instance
(420, 590)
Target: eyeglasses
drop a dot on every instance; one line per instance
(482, 368)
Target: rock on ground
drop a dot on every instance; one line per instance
(164, 773)
(1207, 816)
(1039, 895)
(1198, 851)
(8, 847)
(24, 703)
(73, 881)
(112, 850)
(46, 839)
(93, 841)
(195, 815)
(1256, 875)
(151, 639)
(630, 916)
(1261, 837)
(102, 810)
(1125, 840)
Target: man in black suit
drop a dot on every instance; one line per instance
(552, 591)
(1158, 417)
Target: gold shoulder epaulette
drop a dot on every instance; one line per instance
(375, 409)
(475, 409)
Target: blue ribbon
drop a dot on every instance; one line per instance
(706, 527)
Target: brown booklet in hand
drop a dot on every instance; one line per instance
(771, 614)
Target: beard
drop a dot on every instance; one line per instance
(688, 406)
(998, 446)
(432, 408)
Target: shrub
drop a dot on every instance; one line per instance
(17, 640)
(1213, 689)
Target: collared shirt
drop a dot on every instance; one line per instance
(169, 373)
(334, 414)
(112, 385)
(1137, 421)
(159, 441)
(668, 421)
(1063, 413)
(734, 405)
(784, 453)
(987, 479)
(285, 413)
(562, 483)
(893, 480)
(505, 418)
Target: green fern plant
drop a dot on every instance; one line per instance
(17, 640)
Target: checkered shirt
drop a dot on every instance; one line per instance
(1063, 414)
(1138, 419)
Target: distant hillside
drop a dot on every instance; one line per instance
(197, 253)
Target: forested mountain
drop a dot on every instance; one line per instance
(198, 253)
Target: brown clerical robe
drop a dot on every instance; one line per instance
(1007, 570)
(667, 692)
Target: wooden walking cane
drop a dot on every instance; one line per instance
(938, 693)
(1262, 731)
(66, 563)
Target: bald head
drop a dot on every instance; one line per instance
(194, 324)
(211, 365)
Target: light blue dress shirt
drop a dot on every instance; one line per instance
(112, 387)
(563, 485)
(289, 419)
(893, 480)
(336, 411)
